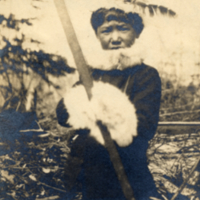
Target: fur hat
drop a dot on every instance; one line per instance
(95, 56)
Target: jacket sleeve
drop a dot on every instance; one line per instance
(74, 161)
(62, 114)
(145, 93)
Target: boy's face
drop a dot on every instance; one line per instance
(115, 35)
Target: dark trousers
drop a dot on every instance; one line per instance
(98, 177)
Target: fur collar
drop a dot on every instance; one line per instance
(98, 58)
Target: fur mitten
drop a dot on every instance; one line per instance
(109, 105)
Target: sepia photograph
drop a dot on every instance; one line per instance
(99, 100)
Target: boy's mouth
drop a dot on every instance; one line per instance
(116, 47)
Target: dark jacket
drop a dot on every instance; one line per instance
(96, 173)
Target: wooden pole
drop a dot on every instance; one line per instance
(74, 46)
(87, 82)
(116, 161)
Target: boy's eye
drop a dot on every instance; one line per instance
(123, 28)
(107, 30)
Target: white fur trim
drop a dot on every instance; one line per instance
(109, 105)
(115, 59)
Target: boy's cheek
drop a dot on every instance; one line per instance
(104, 40)
(105, 43)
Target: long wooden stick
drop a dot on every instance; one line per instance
(116, 161)
(87, 82)
(74, 46)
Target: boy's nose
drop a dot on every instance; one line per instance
(115, 36)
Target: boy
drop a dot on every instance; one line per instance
(89, 161)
